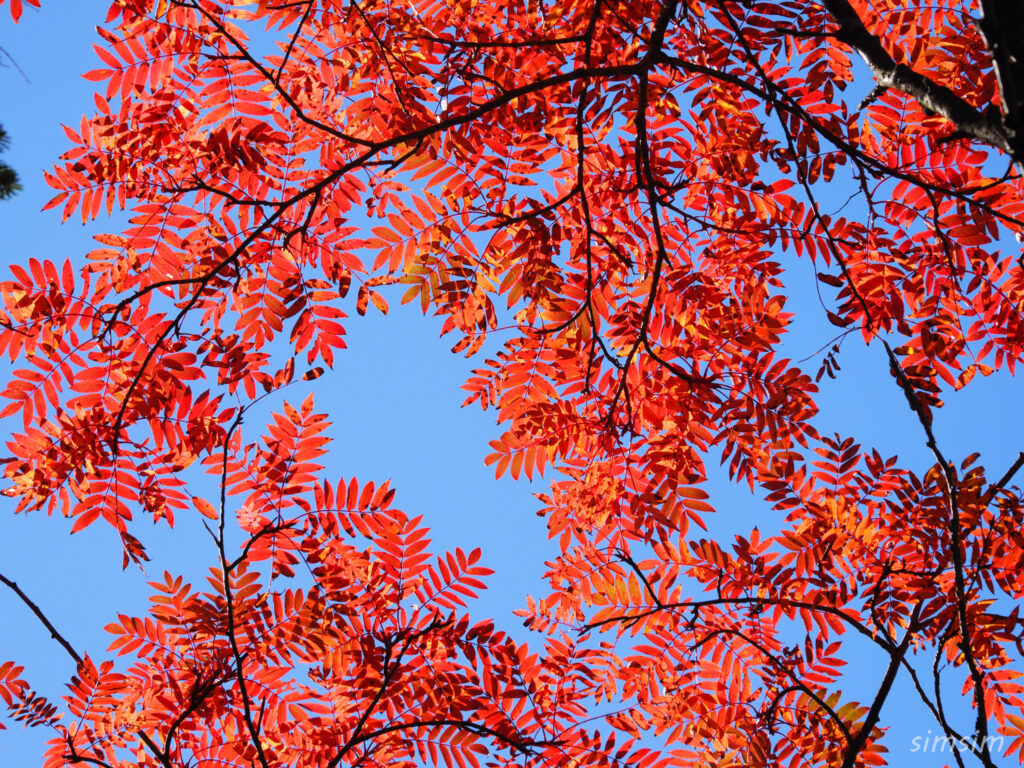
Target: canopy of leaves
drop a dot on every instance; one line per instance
(614, 189)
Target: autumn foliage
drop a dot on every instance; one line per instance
(608, 194)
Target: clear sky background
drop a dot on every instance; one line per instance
(394, 398)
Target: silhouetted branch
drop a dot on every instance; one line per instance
(42, 617)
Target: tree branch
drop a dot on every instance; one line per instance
(1002, 26)
(930, 95)
(956, 545)
(999, 484)
(896, 656)
(42, 617)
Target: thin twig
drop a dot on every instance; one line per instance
(42, 617)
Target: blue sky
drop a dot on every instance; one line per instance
(394, 398)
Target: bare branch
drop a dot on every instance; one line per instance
(42, 617)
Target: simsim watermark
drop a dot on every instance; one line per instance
(942, 743)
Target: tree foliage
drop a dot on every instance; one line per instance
(616, 191)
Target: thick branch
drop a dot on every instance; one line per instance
(930, 95)
(1002, 25)
(896, 656)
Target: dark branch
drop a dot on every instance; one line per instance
(930, 95)
(42, 617)
(1001, 483)
(1002, 26)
